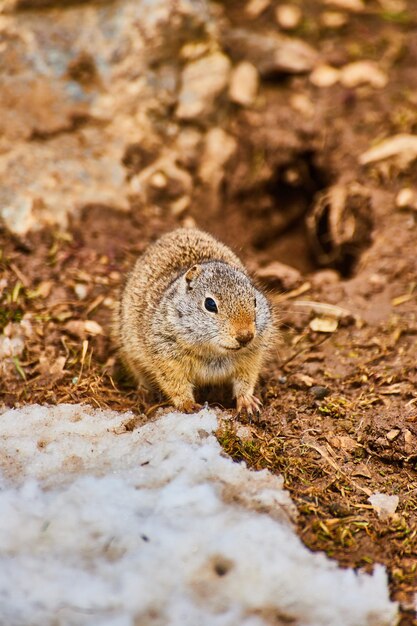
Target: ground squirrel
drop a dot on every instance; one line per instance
(189, 316)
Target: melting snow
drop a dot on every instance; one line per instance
(102, 526)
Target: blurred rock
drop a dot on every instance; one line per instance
(333, 19)
(280, 275)
(188, 144)
(324, 76)
(43, 182)
(271, 53)
(351, 75)
(244, 84)
(254, 8)
(81, 89)
(407, 199)
(201, 83)
(356, 6)
(363, 73)
(219, 148)
(288, 16)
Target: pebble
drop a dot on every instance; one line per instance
(333, 19)
(406, 199)
(363, 73)
(254, 8)
(244, 83)
(81, 290)
(288, 16)
(324, 76)
(319, 392)
(202, 82)
(356, 6)
(286, 276)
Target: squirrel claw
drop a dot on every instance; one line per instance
(248, 403)
(189, 406)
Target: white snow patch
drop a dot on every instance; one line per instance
(105, 527)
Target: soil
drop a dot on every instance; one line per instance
(340, 407)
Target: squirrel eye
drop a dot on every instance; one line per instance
(254, 302)
(210, 305)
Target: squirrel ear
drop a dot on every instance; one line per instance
(192, 274)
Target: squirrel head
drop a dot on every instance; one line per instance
(216, 308)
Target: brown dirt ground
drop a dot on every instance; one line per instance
(333, 451)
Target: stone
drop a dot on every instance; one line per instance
(319, 392)
(288, 16)
(81, 88)
(406, 199)
(272, 53)
(219, 148)
(244, 83)
(254, 8)
(333, 19)
(324, 324)
(276, 273)
(356, 6)
(201, 83)
(324, 76)
(363, 73)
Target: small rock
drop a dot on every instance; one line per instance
(324, 324)
(301, 381)
(219, 148)
(288, 16)
(362, 470)
(325, 277)
(202, 82)
(93, 328)
(319, 392)
(282, 380)
(158, 180)
(346, 424)
(393, 434)
(356, 6)
(363, 73)
(406, 199)
(189, 144)
(244, 83)
(81, 290)
(193, 50)
(80, 328)
(272, 53)
(301, 103)
(333, 19)
(277, 273)
(324, 76)
(384, 505)
(254, 8)
(178, 207)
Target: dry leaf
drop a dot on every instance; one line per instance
(403, 146)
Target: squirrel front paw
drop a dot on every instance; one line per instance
(248, 403)
(187, 406)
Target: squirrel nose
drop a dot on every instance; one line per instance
(244, 336)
